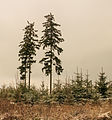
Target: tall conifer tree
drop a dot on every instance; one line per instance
(27, 51)
(50, 41)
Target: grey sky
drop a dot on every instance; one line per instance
(86, 26)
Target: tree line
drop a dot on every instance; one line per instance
(79, 88)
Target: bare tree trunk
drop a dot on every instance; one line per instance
(25, 73)
(51, 80)
(51, 72)
(29, 75)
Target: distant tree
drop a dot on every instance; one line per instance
(44, 94)
(78, 89)
(43, 90)
(88, 86)
(27, 51)
(58, 92)
(102, 84)
(49, 41)
(79, 79)
(68, 92)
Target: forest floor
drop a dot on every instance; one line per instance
(77, 111)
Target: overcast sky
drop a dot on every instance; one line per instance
(86, 26)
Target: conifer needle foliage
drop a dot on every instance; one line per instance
(50, 43)
(102, 84)
(27, 51)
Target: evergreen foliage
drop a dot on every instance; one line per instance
(110, 89)
(78, 89)
(45, 98)
(27, 51)
(58, 95)
(88, 86)
(67, 93)
(50, 43)
(102, 84)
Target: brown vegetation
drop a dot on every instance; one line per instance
(77, 111)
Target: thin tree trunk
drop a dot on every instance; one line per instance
(51, 77)
(51, 65)
(25, 73)
(50, 82)
(29, 75)
(51, 72)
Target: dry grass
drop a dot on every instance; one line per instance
(79, 111)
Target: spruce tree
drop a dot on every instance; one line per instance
(79, 79)
(88, 86)
(50, 43)
(102, 84)
(78, 86)
(28, 47)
